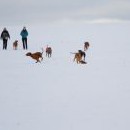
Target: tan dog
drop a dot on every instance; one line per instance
(86, 45)
(36, 56)
(15, 45)
(83, 54)
(80, 57)
(48, 51)
(77, 57)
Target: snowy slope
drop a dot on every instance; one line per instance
(58, 94)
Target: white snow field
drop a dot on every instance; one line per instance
(59, 94)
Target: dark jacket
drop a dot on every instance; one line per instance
(5, 34)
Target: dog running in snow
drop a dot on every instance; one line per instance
(36, 56)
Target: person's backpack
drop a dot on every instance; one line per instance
(5, 35)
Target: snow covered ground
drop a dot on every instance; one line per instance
(58, 94)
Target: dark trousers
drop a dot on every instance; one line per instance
(24, 40)
(5, 44)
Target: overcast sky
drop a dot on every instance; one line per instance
(41, 11)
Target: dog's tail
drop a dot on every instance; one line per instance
(72, 52)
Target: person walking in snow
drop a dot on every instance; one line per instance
(5, 36)
(24, 34)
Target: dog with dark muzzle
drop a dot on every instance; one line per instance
(80, 57)
(36, 56)
(83, 54)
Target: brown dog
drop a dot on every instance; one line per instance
(36, 56)
(83, 54)
(48, 51)
(15, 45)
(86, 45)
(80, 57)
(77, 57)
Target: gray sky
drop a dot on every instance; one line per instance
(41, 11)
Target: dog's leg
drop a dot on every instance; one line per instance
(75, 58)
(84, 48)
(37, 60)
(41, 58)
